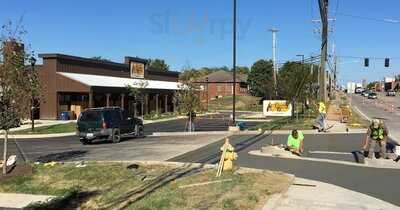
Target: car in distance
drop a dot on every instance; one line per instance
(372, 96)
(366, 93)
(359, 90)
(391, 93)
(109, 123)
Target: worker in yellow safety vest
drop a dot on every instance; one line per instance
(320, 122)
(377, 133)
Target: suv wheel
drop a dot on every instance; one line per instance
(139, 131)
(116, 136)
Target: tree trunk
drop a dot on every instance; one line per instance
(5, 153)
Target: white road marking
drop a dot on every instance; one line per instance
(364, 115)
(329, 152)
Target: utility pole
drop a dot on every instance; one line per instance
(323, 7)
(234, 66)
(274, 31)
(334, 67)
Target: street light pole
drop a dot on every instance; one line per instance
(207, 92)
(33, 61)
(274, 31)
(234, 66)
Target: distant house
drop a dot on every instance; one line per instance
(220, 84)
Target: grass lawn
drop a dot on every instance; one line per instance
(287, 123)
(243, 103)
(60, 128)
(113, 185)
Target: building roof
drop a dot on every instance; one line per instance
(223, 76)
(120, 66)
(109, 81)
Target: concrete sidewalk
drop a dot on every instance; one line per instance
(19, 201)
(41, 123)
(307, 194)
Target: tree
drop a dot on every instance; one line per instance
(260, 79)
(158, 65)
(138, 93)
(99, 58)
(187, 98)
(372, 85)
(242, 70)
(16, 82)
(295, 81)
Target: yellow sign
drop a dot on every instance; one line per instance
(276, 108)
(137, 70)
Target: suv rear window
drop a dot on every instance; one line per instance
(91, 116)
(112, 115)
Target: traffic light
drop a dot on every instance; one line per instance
(386, 62)
(366, 62)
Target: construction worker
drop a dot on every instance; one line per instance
(377, 133)
(295, 142)
(320, 122)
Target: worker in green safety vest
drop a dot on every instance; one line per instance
(295, 142)
(377, 134)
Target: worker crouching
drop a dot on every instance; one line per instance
(377, 134)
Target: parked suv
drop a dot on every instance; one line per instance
(109, 123)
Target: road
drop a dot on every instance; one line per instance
(70, 149)
(373, 109)
(379, 183)
(149, 148)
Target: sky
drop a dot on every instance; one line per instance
(199, 33)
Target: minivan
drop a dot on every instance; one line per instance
(109, 123)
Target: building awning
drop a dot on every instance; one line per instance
(108, 81)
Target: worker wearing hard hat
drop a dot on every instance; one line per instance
(377, 134)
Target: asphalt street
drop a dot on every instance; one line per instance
(156, 148)
(70, 149)
(379, 183)
(372, 109)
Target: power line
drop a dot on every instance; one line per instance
(385, 20)
(369, 57)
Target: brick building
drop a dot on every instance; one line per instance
(220, 84)
(72, 84)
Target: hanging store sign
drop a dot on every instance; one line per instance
(137, 70)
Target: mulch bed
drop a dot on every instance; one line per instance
(18, 170)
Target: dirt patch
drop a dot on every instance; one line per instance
(62, 156)
(18, 170)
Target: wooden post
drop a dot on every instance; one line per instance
(166, 103)
(157, 105)
(108, 99)
(122, 100)
(146, 103)
(90, 99)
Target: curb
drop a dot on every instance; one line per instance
(253, 132)
(258, 153)
(40, 136)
